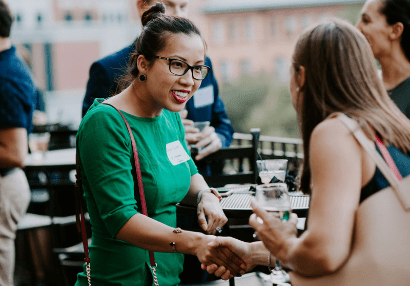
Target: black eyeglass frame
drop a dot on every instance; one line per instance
(189, 66)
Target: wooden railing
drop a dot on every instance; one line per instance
(271, 147)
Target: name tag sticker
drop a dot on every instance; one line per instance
(204, 96)
(176, 153)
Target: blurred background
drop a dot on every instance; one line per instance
(249, 41)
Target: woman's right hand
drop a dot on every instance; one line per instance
(211, 255)
(241, 249)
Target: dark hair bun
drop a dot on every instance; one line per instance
(158, 10)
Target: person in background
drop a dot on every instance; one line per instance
(338, 173)
(206, 105)
(39, 114)
(17, 95)
(386, 26)
(165, 70)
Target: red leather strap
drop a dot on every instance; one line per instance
(387, 157)
(137, 163)
(81, 222)
(139, 176)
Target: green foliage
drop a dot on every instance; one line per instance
(263, 101)
(351, 13)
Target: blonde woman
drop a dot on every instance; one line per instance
(333, 71)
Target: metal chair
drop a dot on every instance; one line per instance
(241, 159)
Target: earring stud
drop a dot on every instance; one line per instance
(142, 77)
(297, 89)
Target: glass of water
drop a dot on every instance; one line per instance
(272, 168)
(200, 125)
(274, 198)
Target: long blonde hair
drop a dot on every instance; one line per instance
(341, 76)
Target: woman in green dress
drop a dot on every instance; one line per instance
(165, 71)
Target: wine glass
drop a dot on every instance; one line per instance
(274, 198)
(272, 168)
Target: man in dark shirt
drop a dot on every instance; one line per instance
(206, 105)
(17, 95)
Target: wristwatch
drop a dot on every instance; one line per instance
(212, 190)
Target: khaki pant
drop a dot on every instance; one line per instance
(14, 200)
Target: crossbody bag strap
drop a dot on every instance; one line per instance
(80, 219)
(387, 157)
(388, 173)
(80, 213)
(139, 176)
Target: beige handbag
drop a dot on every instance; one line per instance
(380, 253)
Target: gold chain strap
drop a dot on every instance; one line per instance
(88, 269)
(154, 271)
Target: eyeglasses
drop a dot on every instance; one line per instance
(180, 67)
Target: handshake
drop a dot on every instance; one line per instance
(229, 257)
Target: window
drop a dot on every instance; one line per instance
(218, 32)
(290, 25)
(281, 68)
(19, 19)
(307, 21)
(245, 66)
(233, 30)
(39, 18)
(272, 27)
(68, 17)
(88, 17)
(225, 69)
(249, 29)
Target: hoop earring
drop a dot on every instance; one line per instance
(142, 77)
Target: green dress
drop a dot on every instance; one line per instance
(108, 173)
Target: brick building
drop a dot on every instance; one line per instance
(248, 36)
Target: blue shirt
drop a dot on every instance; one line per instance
(17, 92)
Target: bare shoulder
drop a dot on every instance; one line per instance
(333, 142)
(332, 133)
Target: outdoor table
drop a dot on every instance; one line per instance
(48, 172)
(61, 157)
(55, 167)
(237, 204)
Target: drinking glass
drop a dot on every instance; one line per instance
(38, 143)
(201, 125)
(272, 168)
(274, 198)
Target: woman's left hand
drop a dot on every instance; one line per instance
(209, 142)
(210, 213)
(276, 235)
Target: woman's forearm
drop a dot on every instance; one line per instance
(308, 256)
(259, 254)
(150, 234)
(197, 184)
